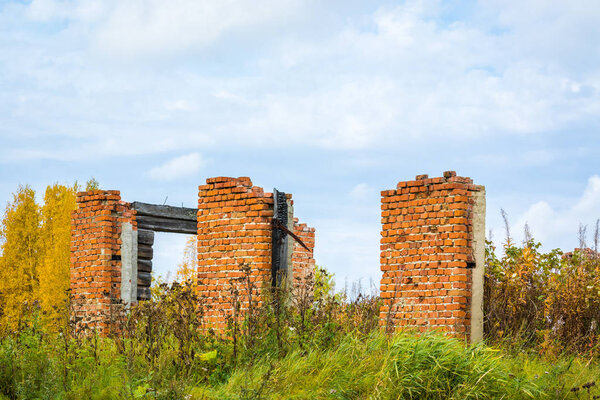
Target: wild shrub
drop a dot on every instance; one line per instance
(572, 305)
(303, 313)
(548, 302)
(516, 287)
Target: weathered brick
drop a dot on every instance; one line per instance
(431, 225)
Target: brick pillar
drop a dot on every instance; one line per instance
(234, 245)
(234, 233)
(303, 262)
(432, 255)
(96, 237)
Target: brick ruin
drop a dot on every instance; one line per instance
(432, 255)
(432, 251)
(302, 259)
(111, 248)
(96, 255)
(235, 234)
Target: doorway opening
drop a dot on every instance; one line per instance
(152, 219)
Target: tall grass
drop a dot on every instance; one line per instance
(405, 366)
(319, 346)
(359, 366)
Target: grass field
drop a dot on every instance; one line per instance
(34, 365)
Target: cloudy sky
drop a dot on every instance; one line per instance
(332, 101)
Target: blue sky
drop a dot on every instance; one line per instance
(330, 101)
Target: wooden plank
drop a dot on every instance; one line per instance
(144, 293)
(144, 266)
(154, 210)
(159, 224)
(145, 252)
(279, 259)
(144, 279)
(145, 237)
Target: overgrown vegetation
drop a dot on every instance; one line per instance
(302, 342)
(549, 302)
(305, 343)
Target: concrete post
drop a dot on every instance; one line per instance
(129, 261)
(479, 270)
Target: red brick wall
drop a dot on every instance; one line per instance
(426, 251)
(95, 252)
(234, 248)
(234, 232)
(427, 254)
(303, 262)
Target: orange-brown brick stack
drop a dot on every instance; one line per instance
(95, 256)
(234, 244)
(234, 251)
(303, 262)
(427, 254)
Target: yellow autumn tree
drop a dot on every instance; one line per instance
(187, 269)
(21, 251)
(59, 202)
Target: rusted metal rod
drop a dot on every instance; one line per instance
(279, 225)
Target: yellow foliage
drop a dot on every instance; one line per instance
(188, 268)
(34, 266)
(543, 299)
(21, 253)
(59, 201)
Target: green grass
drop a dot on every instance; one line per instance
(405, 367)
(373, 366)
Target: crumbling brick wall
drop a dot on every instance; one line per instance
(96, 257)
(303, 262)
(430, 246)
(432, 251)
(234, 247)
(235, 229)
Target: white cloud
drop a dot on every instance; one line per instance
(179, 105)
(81, 10)
(179, 167)
(362, 191)
(415, 77)
(168, 254)
(156, 27)
(134, 28)
(395, 75)
(349, 247)
(556, 226)
(348, 116)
